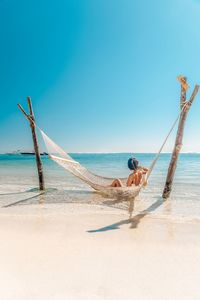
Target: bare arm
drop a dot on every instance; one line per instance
(144, 170)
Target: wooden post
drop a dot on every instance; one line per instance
(184, 106)
(31, 119)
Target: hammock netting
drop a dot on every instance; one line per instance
(98, 183)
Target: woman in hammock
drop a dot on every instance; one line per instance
(134, 178)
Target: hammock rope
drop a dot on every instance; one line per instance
(99, 183)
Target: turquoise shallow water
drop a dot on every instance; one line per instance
(18, 180)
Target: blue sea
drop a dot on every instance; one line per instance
(18, 183)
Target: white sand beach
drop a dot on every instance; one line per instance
(84, 252)
(100, 105)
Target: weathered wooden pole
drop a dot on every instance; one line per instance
(31, 119)
(184, 107)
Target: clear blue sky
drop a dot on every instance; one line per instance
(101, 73)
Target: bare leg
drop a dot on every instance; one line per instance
(116, 183)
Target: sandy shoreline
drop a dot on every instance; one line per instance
(96, 253)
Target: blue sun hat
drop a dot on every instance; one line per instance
(133, 163)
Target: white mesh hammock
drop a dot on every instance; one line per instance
(98, 183)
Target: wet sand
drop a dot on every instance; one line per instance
(87, 253)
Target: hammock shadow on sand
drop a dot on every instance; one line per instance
(134, 221)
(97, 199)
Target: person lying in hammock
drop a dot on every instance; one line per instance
(134, 178)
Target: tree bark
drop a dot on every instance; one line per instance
(36, 147)
(31, 119)
(185, 106)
